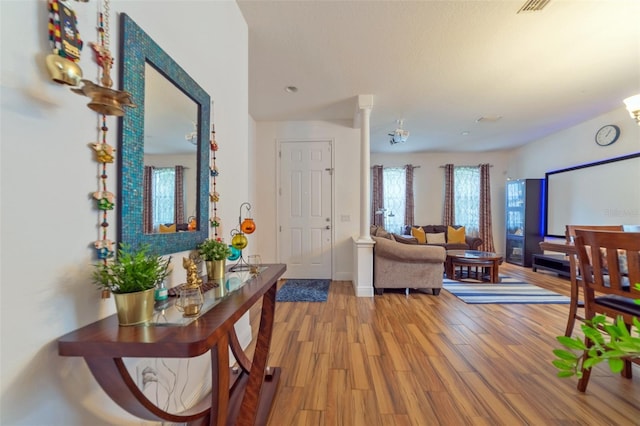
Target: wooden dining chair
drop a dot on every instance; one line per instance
(610, 268)
(577, 302)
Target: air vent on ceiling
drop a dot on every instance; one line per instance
(533, 5)
(488, 118)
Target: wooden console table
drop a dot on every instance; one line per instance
(242, 398)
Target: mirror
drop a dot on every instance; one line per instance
(143, 67)
(170, 155)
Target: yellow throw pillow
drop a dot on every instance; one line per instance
(418, 233)
(167, 229)
(436, 238)
(455, 236)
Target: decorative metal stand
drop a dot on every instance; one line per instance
(239, 240)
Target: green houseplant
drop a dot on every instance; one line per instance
(132, 277)
(214, 252)
(609, 342)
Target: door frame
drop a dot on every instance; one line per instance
(278, 146)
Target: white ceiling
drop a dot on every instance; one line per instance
(441, 65)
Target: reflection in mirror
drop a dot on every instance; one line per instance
(170, 156)
(143, 59)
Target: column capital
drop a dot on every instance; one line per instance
(363, 103)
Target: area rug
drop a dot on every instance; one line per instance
(508, 290)
(295, 290)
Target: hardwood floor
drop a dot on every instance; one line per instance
(434, 360)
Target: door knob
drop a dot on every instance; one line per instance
(328, 227)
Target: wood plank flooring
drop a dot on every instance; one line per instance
(434, 360)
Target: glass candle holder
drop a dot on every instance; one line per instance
(190, 301)
(254, 261)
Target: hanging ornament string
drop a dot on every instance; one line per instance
(214, 196)
(104, 25)
(104, 152)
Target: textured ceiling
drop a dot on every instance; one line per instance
(441, 65)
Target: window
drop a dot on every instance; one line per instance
(467, 198)
(163, 188)
(394, 199)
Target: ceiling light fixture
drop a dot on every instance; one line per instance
(192, 137)
(399, 135)
(291, 89)
(633, 106)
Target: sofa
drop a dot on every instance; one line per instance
(406, 266)
(471, 243)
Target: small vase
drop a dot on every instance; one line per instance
(215, 269)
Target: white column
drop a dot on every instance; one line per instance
(363, 246)
(365, 103)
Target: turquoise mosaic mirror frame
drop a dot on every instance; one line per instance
(137, 49)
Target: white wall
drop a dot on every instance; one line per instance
(575, 145)
(346, 145)
(428, 183)
(48, 220)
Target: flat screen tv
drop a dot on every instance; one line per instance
(606, 192)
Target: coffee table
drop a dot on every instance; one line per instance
(487, 262)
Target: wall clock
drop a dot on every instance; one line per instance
(607, 135)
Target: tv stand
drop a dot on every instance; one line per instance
(557, 263)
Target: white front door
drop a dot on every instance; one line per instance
(304, 209)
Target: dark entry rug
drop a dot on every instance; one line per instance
(295, 290)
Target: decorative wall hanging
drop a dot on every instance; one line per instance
(104, 100)
(66, 44)
(214, 196)
(239, 240)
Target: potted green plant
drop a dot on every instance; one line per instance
(610, 341)
(214, 252)
(132, 277)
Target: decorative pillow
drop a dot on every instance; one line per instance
(404, 240)
(382, 233)
(418, 233)
(436, 238)
(455, 236)
(167, 229)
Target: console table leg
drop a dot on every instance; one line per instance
(251, 399)
(220, 382)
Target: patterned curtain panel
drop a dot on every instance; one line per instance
(147, 210)
(377, 196)
(448, 212)
(408, 205)
(179, 197)
(467, 198)
(486, 231)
